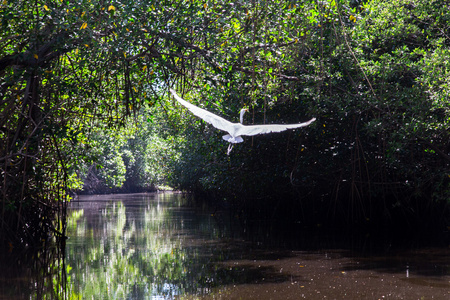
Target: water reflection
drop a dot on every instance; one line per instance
(32, 273)
(154, 247)
(138, 246)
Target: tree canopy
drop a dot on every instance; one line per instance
(373, 73)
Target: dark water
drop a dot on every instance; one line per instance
(153, 246)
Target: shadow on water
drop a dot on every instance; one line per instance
(155, 246)
(33, 273)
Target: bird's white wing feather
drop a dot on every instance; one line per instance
(263, 129)
(216, 121)
(236, 129)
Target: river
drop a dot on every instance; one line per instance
(155, 246)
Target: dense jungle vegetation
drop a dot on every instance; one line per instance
(84, 104)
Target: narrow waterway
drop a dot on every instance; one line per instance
(153, 246)
(157, 246)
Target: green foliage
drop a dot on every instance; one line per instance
(373, 73)
(129, 159)
(67, 68)
(148, 152)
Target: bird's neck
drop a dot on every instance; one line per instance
(241, 117)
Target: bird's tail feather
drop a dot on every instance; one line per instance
(233, 140)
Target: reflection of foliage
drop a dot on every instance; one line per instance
(123, 252)
(106, 261)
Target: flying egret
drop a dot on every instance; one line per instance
(236, 130)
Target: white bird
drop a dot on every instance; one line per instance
(236, 130)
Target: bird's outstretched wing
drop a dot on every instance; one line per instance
(216, 121)
(262, 129)
(236, 129)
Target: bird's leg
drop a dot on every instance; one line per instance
(230, 146)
